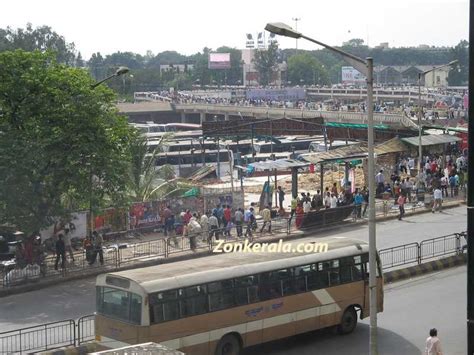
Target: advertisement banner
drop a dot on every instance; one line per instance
(144, 214)
(290, 94)
(352, 76)
(77, 226)
(219, 61)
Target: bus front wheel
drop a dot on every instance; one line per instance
(348, 321)
(228, 345)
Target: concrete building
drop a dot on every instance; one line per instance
(408, 75)
(251, 75)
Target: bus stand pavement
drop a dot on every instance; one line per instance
(156, 242)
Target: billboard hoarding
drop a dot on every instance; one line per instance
(219, 61)
(291, 94)
(351, 75)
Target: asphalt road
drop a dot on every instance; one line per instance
(77, 298)
(411, 229)
(412, 307)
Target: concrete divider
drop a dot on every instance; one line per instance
(425, 268)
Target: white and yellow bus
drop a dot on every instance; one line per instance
(221, 304)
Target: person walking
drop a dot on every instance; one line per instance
(68, 244)
(437, 199)
(380, 180)
(358, 200)
(60, 252)
(213, 227)
(193, 231)
(239, 218)
(249, 219)
(401, 206)
(227, 219)
(433, 344)
(204, 222)
(267, 219)
(97, 241)
(281, 197)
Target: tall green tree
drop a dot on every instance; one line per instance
(305, 69)
(265, 62)
(58, 137)
(459, 74)
(41, 38)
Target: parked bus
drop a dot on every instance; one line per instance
(221, 304)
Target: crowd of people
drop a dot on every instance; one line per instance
(217, 223)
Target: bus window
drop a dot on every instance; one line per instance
(270, 286)
(221, 295)
(246, 290)
(194, 302)
(135, 308)
(119, 304)
(301, 274)
(164, 306)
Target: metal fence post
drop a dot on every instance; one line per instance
(418, 248)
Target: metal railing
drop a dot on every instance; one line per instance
(39, 338)
(417, 253)
(120, 254)
(71, 333)
(85, 329)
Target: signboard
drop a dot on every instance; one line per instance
(219, 61)
(77, 226)
(352, 76)
(290, 94)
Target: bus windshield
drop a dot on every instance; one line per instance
(119, 304)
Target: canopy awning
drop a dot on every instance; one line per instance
(431, 139)
(280, 164)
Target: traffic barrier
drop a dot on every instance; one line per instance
(418, 270)
(418, 253)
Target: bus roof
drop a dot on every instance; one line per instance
(229, 265)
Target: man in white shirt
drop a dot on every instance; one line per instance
(306, 206)
(380, 180)
(333, 201)
(438, 199)
(433, 345)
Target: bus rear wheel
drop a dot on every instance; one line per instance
(228, 345)
(348, 321)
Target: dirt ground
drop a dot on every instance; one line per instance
(311, 181)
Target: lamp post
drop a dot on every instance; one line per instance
(365, 67)
(420, 109)
(470, 193)
(118, 72)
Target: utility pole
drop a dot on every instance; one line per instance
(296, 19)
(470, 194)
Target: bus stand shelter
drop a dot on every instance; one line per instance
(272, 166)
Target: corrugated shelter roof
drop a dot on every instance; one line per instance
(279, 164)
(353, 125)
(393, 145)
(432, 139)
(349, 152)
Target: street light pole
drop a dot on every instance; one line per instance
(118, 72)
(420, 112)
(470, 193)
(366, 67)
(296, 19)
(372, 230)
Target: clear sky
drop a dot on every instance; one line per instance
(187, 26)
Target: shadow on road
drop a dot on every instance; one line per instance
(327, 342)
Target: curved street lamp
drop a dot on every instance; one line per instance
(118, 72)
(365, 67)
